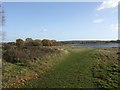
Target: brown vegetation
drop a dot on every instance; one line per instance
(27, 54)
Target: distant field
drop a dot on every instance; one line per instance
(72, 68)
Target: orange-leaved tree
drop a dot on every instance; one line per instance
(37, 42)
(20, 42)
(46, 42)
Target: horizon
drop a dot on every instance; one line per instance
(64, 21)
(63, 40)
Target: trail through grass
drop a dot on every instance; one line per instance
(73, 72)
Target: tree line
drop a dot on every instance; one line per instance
(89, 41)
(36, 42)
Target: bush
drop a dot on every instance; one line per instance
(27, 54)
(6, 46)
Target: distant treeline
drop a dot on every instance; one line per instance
(84, 42)
(45, 42)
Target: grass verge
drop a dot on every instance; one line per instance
(15, 74)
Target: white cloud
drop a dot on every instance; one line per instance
(43, 30)
(108, 4)
(97, 15)
(114, 26)
(98, 20)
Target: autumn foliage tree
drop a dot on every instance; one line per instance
(20, 43)
(29, 42)
(37, 42)
(54, 42)
(47, 42)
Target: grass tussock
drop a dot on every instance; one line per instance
(106, 70)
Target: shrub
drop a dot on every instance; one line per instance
(27, 54)
(6, 46)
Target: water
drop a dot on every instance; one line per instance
(96, 45)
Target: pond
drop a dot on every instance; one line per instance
(98, 45)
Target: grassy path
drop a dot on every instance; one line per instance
(73, 72)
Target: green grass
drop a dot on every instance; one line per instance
(73, 72)
(74, 68)
(105, 70)
(15, 74)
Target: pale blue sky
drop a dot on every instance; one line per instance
(60, 21)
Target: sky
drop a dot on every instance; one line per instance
(61, 21)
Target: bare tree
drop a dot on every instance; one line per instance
(1, 19)
(1, 14)
(2, 34)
